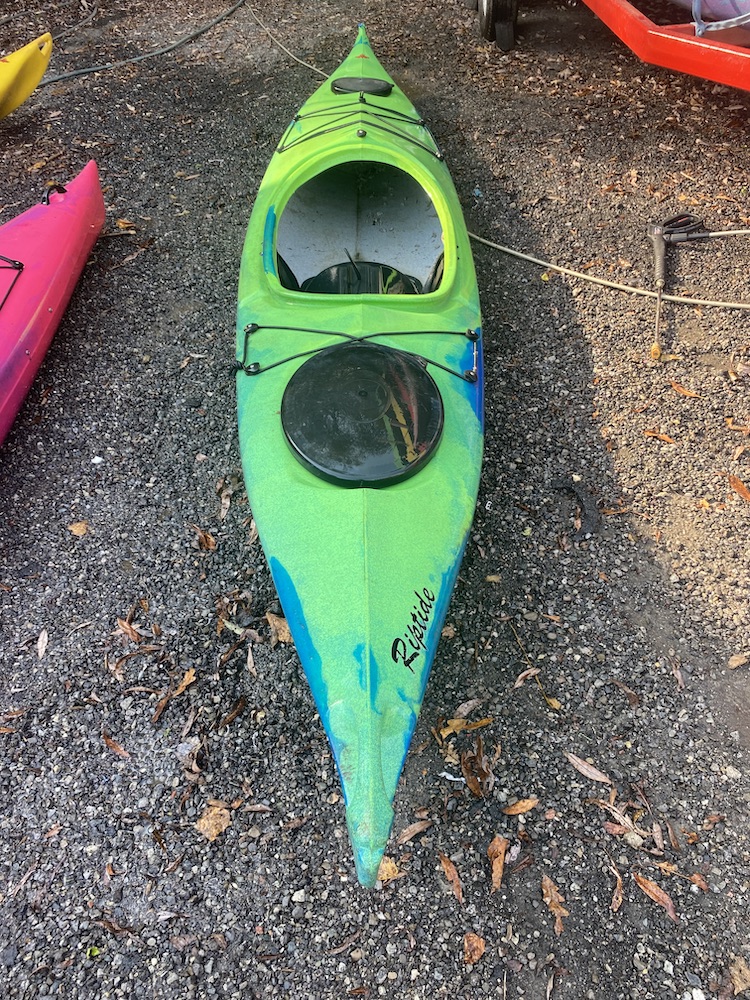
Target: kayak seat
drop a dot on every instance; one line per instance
(362, 278)
(361, 85)
(286, 275)
(435, 275)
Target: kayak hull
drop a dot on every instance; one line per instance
(52, 242)
(21, 72)
(364, 571)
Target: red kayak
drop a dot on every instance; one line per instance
(42, 254)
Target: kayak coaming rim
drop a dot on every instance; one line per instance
(308, 168)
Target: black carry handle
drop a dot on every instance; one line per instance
(56, 188)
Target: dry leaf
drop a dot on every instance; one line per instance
(624, 822)
(525, 675)
(78, 529)
(413, 830)
(279, 629)
(616, 829)
(452, 875)
(655, 352)
(234, 712)
(554, 900)
(345, 944)
(467, 707)
(697, 879)
(454, 726)
(685, 392)
(476, 768)
(41, 643)
(657, 835)
(522, 806)
(205, 540)
(115, 747)
(587, 769)
(214, 821)
(651, 433)
(388, 870)
(673, 841)
(667, 867)
(496, 853)
(655, 892)
(738, 660)
(739, 971)
(633, 698)
(186, 681)
(129, 630)
(617, 894)
(552, 702)
(734, 426)
(739, 488)
(473, 948)
(448, 632)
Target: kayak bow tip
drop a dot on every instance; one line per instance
(369, 838)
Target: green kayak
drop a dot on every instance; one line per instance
(359, 392)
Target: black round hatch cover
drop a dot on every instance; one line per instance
(361, 85)
(362, 414)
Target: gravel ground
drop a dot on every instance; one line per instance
(143, 704)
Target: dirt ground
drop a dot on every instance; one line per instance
(629, 877)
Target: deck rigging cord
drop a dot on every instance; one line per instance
(375, 115)
(14, 265)
(254, 368)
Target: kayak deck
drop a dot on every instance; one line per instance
(357, 288)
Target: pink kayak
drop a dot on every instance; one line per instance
(42, 254)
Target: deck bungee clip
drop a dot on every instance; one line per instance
(255, 368)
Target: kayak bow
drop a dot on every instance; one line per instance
(21, 71)
(42, 254)
(359, 391)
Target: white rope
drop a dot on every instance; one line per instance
(631, 289)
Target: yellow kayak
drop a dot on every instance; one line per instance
(21, 71)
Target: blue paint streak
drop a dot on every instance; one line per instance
(308, 654)
(269, 263)
(368, 675)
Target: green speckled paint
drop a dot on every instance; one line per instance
(355, 568)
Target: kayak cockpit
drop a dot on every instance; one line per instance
(375, 215)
